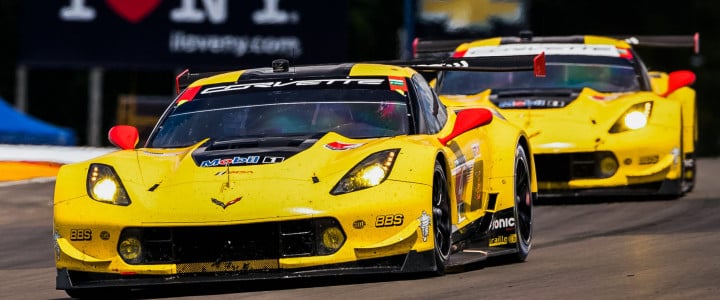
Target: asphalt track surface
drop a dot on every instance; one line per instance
(603, 249)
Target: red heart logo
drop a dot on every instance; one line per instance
(133, 10)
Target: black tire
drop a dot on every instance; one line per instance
(688, 165)
(441, 219)
(523, 204)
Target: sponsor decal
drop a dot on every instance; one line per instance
(224, 205)
(342, 146)
(272, 159)
(80, 234)
(502, 223)
(104, 235)
(502, 240)
(649, 160)
(397, 83)
(359, 224)
(531, 103)
(549, 49)
(237, 160)
(280, 84)
(477, 186)
(389, 220)
(233, 172)
(424, 225)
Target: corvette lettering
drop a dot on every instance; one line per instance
(276, 84)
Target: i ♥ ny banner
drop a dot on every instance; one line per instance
(171, 34)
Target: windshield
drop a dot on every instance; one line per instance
(560, 75)
(355, 113)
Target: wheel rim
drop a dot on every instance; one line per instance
(523, 200)
(441, 216)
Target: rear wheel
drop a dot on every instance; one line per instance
(523, 204)
(441, 218)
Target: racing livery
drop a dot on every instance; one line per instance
(295, 171)
(599, 123)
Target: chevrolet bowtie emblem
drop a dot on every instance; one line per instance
(225, 205)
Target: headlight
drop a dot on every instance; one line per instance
(370, 172)
(635, 117)
(104, 185)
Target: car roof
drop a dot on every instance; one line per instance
(342, 70)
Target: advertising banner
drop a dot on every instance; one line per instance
(171, 34)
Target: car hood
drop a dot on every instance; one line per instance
(582, 124)
(174, 186)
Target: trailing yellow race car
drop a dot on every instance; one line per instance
(599, 123)
(291, 172)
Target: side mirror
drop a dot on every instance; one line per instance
(124, 136)
(466, 120)
(679, 79)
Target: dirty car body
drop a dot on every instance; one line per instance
(307, 171)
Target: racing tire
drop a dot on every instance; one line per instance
(523, 208)
(671, 189)
(442, 228)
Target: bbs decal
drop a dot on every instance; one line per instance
(80, 234)
(389, 220)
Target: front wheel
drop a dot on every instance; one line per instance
(523, 204)
(441, 218)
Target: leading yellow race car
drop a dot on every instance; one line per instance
(599, 123)
(292, 172)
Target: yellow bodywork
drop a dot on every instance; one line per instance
(652, 154)
(167, 188)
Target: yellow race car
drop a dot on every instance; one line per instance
(599, 123)
(294, 172)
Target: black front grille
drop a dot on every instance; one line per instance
(258, 241)
(566, 167)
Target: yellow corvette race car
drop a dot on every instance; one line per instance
(292, 172)
(599, 123)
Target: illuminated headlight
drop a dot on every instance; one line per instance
(104, 185)
(370, 172)
(634, 118)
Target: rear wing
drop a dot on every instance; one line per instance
(664, 41)
(535, 63)
(446, 48)
(185, 78)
